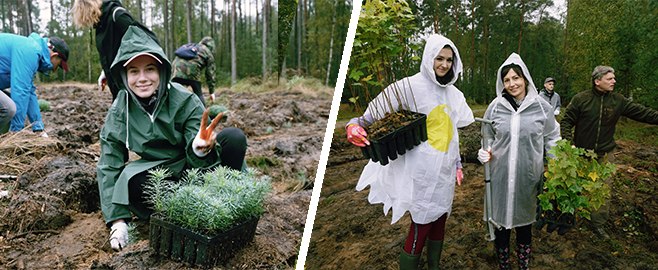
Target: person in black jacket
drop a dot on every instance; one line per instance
(111, 21)
(594, 114)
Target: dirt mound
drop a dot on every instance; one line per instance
(51, 217)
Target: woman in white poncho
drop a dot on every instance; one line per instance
(422, 181)
(524, 126)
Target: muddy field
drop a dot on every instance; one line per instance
(350, 233)
(49, 210)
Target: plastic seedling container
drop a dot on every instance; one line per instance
(180, 244)
(397, 142)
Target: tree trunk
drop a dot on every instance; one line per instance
(11, 17)
(299, 39)
(470, 73)
(139, 12)
(189, 21)
(331, 43)
(456, 22)
(213, 22)
(173, 42)
(91, 37)
(234, 69)
(28, 17)
(166, 29)
(565, 51)
(541, 15)
(521, 25)
(266, 6)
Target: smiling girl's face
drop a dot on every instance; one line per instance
(514, 84)
(143, 76)
(443, 62)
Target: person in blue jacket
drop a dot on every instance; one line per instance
(20, 58)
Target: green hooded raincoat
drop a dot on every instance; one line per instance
(163, 138)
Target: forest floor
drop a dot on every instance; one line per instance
(49, 204)
(350, 233)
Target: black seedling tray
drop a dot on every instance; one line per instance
(180, 244)
(398, 142)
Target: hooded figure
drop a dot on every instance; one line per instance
(519, 138)
(188, 71)
(523, 129)
(422, 181)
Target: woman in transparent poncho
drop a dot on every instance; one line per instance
(422, 181)
(524, 127)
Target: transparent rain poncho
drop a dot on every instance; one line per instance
(518, 141)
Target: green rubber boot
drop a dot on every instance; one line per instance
(434, 249)
(408, 261)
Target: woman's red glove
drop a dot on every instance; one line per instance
(357, 135)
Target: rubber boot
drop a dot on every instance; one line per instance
(408, 261)
(434, 249)
(523, 252)
(503, 256)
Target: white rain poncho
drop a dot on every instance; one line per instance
(422, 181)
(518, 141)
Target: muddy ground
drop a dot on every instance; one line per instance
(50, 218)
(350, 233)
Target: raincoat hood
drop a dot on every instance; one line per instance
(531, 91)
(210, 43)
(134, 42)
(433, 46)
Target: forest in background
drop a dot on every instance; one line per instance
(249, 26)
(617, 33)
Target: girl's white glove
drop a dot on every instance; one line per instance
(202, 147)
(118, 235)
(102, 80)
(484, 156)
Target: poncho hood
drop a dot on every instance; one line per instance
(516, 59)
(433, 46)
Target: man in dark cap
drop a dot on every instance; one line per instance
(549, 95)
(20, 58)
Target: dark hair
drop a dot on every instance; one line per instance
(451, 74)
(517, 69)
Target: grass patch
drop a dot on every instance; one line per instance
(307, 86)
(631, 130)
(263, 163)
(347, 112)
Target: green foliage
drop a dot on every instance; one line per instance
(287, 12)
(575, 180)
(383, 45)
(295, 80)
(208, 202)
(133, 234)
(214, 110)
(44, 105)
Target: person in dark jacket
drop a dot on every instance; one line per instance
(111, 21)
(594, 114)
(188, 71)
(20, 58)
(158, 120)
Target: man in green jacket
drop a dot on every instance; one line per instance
(159, 121)
(594, 114)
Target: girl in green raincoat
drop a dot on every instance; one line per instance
(159, 121)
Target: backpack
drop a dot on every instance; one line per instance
(187, 51)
